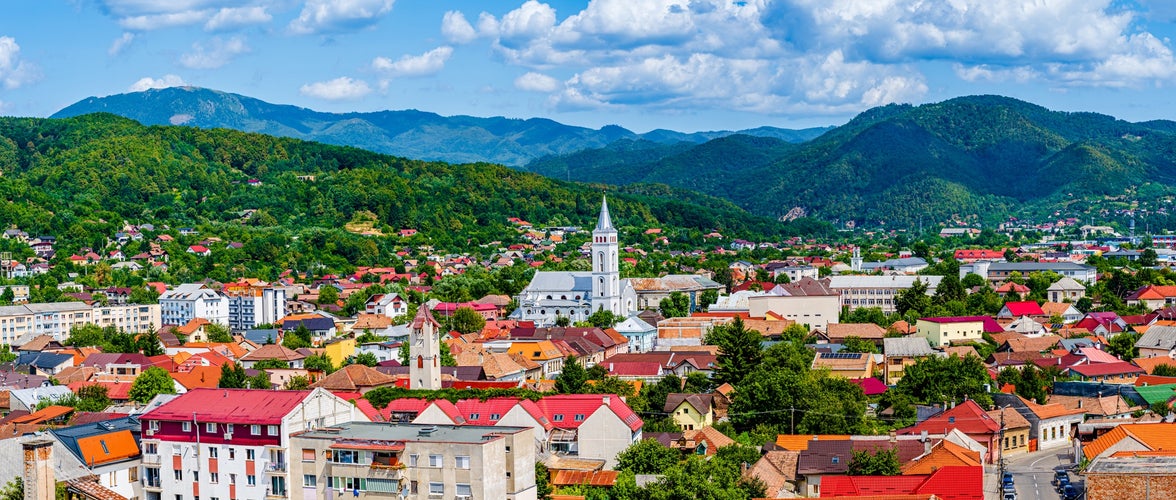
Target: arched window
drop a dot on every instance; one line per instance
(420, 361)
(600, 261)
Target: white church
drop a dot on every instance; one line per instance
(576, 295)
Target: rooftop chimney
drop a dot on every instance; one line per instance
(39, 483)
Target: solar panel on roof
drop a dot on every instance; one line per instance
(840, 355)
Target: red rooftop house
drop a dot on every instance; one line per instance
(975, 255)
(1106, 323)
(948, 483)
(488, 311)
(970, 419)
(1018, 309)
(231, 443)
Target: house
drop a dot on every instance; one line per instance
(489, 312)
(807, 302)
(1118, 372)
(691, 411)
(1152, 437)
(901, 352)
(44, 363)
(193, 300)
(1107, 407)
(821, 460)
(1067, 312)
(273, 352)
(1017, 431)
(1106, 323)
(777, 470)
(1019, 309)
(1051, 425)
(232, 443)
(28, 399)
(544, 353)
(947, 483)
(836, 333)
(942, 331)
(108, 450)
(200, 250)
(851, 365)
(1158, 341)
(401, 460)
(973, 255)
(969, 419)
(1000, 271)
(1153, 297)
(386, 304)
(354, 378)
(877, 291)
(642, 336)
(651, 291)
(1065, 290)
(1010, 288)
(1130, 476)
(321, 328)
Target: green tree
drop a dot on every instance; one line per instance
(1164, 370)
(328, 294)
(150, 344)
(297, 339)
(913, 299)
(271, 364)
(936, 379)
(13, 490)
(318, 362)
(232, 376)
(92, 398)
(261, 380)
(973, 280)
(1123, 345)
(152, 382)
(647, 457)
(604, 319)
(879, 463)
(571, 379)
(854, 343)
(7, 296)
(543, 488)
(740, 351)
(677, 305)
(365, 359)
(1148, 258)
(297, 383)
(707, 298)
(950, 289)
(218, 333)
(465, 320)
(6, 354)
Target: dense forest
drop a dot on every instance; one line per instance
(81, 179)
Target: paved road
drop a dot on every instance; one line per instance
(1032, 474)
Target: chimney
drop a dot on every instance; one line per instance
(1079, 403)
(39, 483)
(893, 437)
(606, 399)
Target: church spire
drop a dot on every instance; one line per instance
(604, 222)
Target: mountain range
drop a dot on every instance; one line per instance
(973, 160)
(407, 133)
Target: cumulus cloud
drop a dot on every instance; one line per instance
(456, 29)
(536, 82)
(121, 43)
(813, 56)
(236, 17)
(215, 53)
(163, 82)
(425, 64)
(336, 16)
(342, 88)
(150, 22)
(14, 72)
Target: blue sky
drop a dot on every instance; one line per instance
(643, 64)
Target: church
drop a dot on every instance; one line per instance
(576, 295)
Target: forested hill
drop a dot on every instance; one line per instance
(408, 133)
(80, 178)
(978, 158)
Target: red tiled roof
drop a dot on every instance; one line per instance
(1026, 308)
(968, 417)
(1103, 369)
(990, 324)
(237, 406)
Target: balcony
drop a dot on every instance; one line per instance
(152, 484)
(275, 468)
(369, 471)
(151, 459)
(272, 494)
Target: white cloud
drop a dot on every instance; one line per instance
(456, 29)
(425, 64)
(342, 88)
(121, 43)
(536, 82)
(163, 82)
(166, 20)
(338, 16)
(815, 56)
(230, 18)
(15, 72)
(216, 53)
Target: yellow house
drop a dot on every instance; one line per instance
(339, 349)
(691, 411)
(543, 352)
(943, 331)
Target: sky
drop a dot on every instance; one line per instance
(686, 65)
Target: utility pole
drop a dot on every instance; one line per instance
(1001, 446)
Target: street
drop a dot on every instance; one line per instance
(1032, 473)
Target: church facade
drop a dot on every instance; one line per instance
(576, 295)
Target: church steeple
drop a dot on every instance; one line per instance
(604, 221)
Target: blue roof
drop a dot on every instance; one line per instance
(69, 436)
(312, 324)
(42, 360)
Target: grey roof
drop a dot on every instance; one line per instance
(313, 324)
(1071, 344)
(1066, 283)
(259, 336)
(69, 436)
(1037, 266)
(906, 346)
(46, 307)
(11, 379)
(604, 221)
(561, 281)
(30, 397)
(188, 291)
(866, 281)
(634, 324)
(1158, 337)
(893, 263)
(42, 360)
(381, 431)
(1150, 465)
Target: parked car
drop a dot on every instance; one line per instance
(1006, 478)
(1009, 496)
(1063, 482)
(1058, 476)
(1070, 492)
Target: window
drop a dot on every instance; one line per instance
(462, 462)
(179, 475)
(308, 454)
(474, 416)
(271, 430)
(150, 448)
(436, 488)
(580, 416)
(309, 480)
(255, 429)
(412, 460)
(558, 417)
(196, 476)
(495, 416)
(214, 477)
(229, 428)
(232, 453)
(463, 490)
(249, 455)
(413, 487)
(232, 479)
(212, 452)
(133, 474)
(179, 497)
(187, 427)
(153, 425)
(251, 480)
(211, 428)
(435, 461)
(508, 449)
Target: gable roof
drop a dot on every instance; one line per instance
(906, 347)
(1158, 337)
(1024, 308)
(947, 483)
(238, 406)
(702, 403)
(990, 324)
(1154, 437)
(273, 351)
(1104, 369)
(860, 330)
(944, 454)
(354, 378)
(968, 417)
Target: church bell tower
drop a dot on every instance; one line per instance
(606, 269)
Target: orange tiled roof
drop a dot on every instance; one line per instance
(943, 454)
(1149, 364)
(105, 448)
(1156, 437)
(44, 415)
(199, 376)
(587, 478)
(800, 442)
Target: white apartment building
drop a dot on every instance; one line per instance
(255, 306)
(385, 460)
(876, 291)
(192, 300)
